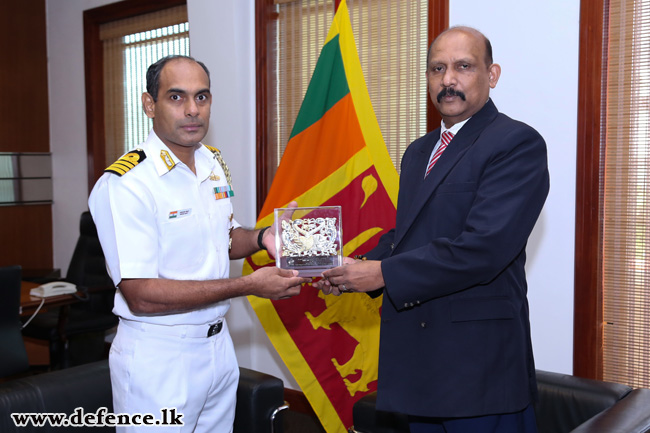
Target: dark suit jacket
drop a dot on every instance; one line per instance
(455, 333)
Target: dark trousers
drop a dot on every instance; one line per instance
(518, 422)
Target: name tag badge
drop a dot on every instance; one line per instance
(179, 213)
(223, 192)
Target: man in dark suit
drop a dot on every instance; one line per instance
(455, 351)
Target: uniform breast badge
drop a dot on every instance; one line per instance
(308, 239)
(179, 213)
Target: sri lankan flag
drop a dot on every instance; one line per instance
(335, 156)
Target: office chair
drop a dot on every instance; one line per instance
(13, 356)
(76, 334)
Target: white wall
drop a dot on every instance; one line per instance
(538, 86)
(536, 44)
(67, 122)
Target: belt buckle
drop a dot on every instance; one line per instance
(215, 329)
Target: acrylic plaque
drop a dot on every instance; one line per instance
(308, 239)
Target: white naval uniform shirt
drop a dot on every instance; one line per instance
(160, 222)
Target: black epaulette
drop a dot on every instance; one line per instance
(126, 162)
(222, 163)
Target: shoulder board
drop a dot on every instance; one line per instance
(126, 162)
(222, 163)
(212, 149)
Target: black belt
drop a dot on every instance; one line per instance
(215, 329)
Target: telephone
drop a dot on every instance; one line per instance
(54, 288)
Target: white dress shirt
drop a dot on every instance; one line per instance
(454, 130)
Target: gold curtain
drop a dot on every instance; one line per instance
(625, 195)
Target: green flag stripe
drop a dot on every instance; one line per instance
(327, 86)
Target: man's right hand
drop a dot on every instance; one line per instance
(274, 283)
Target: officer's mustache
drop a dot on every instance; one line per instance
(449, 91)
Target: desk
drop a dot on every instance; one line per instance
(39, 342)
(29, 303)
(38, 350)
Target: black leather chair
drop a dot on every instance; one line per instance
(13, 356)
(76, 333)
(574, 404)
(259, 397)
(260, 400)
(566, 404)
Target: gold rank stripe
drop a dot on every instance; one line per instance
(126, 162)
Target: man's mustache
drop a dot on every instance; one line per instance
(449, 91)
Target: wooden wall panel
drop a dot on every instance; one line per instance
(588, 308)
(26, 231)
(23, 77)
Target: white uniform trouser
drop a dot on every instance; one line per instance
(195, 374)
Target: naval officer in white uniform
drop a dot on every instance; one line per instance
(165, 223)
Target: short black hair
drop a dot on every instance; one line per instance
(488, 46)
(153, 73)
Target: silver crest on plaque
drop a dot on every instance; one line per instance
(308, 239)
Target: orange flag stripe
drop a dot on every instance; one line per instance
(338, 125)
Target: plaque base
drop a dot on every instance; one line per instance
(309, 266)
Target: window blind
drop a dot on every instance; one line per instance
(625, 195)
(391, 39)
(130, 46)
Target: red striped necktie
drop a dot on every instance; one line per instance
(444, 142)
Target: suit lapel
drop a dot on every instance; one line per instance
(413, 168)
(420, 189)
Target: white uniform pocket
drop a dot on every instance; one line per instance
(181, 243)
